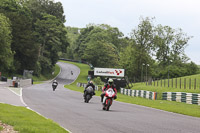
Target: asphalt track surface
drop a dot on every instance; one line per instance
(67, 108)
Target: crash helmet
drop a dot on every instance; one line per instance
(54, 81)
(110, 81)
(91, 82)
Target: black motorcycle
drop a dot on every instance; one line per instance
(89, 92)
(54, 87)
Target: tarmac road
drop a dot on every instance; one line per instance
(9, 97)
(67, 108)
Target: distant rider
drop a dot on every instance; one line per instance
(108, 85)
(54, 85)
(90, 83)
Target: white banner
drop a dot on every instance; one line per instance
(109, 72)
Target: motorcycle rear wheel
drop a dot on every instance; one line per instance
(87, 98)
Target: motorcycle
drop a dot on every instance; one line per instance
(88, 94)
(108, 99)
(54, 87)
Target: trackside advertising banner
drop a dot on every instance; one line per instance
(109, 72)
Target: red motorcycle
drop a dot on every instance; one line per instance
(108, 99)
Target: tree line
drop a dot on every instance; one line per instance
(33, 37)
(32, 33)
(156, 51)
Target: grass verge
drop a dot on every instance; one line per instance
(160, 90)
(27, 121)
(171, 106)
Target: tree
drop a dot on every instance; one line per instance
(128, 59)
(23, 45)
(108, 39)
(101, 54)
(6, 55)
(143, 37)
(39, 7)
(170, 45)
(48, 31)
(72, 36)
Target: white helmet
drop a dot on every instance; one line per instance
(110, 81)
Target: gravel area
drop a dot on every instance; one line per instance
(7, 128)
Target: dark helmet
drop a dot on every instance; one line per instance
(110, 82)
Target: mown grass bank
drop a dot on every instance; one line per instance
(171, 106)
(160, 90)
(27, 121)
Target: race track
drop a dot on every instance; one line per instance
(67, 108)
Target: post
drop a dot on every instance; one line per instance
(161, 82)
(184, 83)
(164, 82)
(157, 82)
(146, 73)
(142, 72)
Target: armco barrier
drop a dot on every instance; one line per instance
(139, 93)
(189, 98)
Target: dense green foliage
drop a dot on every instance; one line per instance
(156, 51)
(6, 55)
(38, 34)
(97, 41)
(36, 37)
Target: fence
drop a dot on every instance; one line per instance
(181, 83)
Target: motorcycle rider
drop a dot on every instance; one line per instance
(90, 83)
(108, 85)
(54, 84)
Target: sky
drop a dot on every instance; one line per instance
(126, 14)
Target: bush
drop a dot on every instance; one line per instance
(98, 81)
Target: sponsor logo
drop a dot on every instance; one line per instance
(109, 72)
(118, 72)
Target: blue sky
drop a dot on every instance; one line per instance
(125, 14)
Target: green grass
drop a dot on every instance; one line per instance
(158, 86)
(171, 106)
(27, 121)
(186, 82)
(160, 90)
(1, 128)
